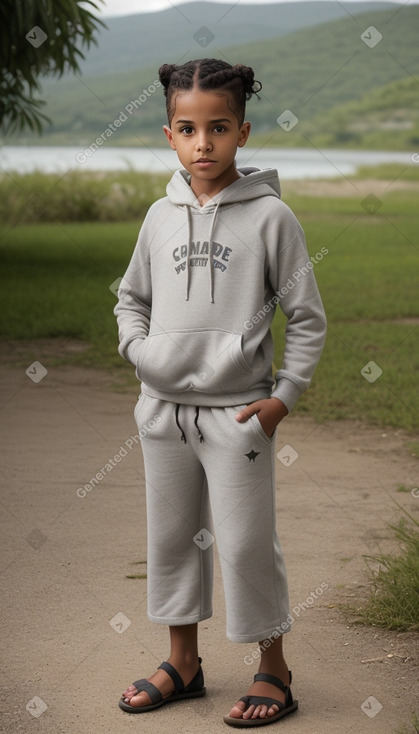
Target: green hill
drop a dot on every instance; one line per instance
(314, 71)
(338, 86)
(146, 39)
(386, 118)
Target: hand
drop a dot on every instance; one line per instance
(269, 411)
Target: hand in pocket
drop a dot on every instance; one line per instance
(269, 412)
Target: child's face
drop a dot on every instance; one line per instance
(206, 133)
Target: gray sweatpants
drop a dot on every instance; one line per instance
(200, 462)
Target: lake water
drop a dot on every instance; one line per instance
(291, 163)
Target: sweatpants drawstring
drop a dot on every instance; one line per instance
(200, 436)
(182, 432)
(183, 437)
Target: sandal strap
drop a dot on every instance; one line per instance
(155, 695)
(144, 685)
(267, 678)
(176, 678)
(258, 700)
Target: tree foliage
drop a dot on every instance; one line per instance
(39, 38)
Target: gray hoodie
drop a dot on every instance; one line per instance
(198, 298)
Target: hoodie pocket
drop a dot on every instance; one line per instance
(204, 360)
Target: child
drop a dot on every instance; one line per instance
(213, 260)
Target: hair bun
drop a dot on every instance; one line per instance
(247, 75)
(165, 73)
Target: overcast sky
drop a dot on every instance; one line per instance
(130, 7)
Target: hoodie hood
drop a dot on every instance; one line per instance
(252, 184)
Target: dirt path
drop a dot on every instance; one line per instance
(74, 626)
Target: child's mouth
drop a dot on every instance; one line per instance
(204, 163)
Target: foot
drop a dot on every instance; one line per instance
(162, 681)
(260, 688)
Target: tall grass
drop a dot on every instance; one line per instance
(394, 600)
(115, 196)
(78, 196)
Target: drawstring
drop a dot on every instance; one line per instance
(210, 252)
(183, 437)
(188, 270)
(182, 432)
(200, 436)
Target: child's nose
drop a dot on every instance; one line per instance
(203, 144)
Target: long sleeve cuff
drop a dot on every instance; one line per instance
(288, 392)
(133, 350)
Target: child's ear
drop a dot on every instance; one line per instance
(244, 133)
(168, 133)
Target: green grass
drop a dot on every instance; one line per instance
(413, 447)
(394, 600)
(411, 728)
(403, 488)
(56, 277)
(369, 283)
(56, 280)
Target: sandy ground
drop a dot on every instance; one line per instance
(75, 631)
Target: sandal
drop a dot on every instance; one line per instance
(284, 708)
(194, 689)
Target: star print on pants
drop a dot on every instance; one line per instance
(252, 455)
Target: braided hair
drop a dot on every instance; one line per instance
(210, 75)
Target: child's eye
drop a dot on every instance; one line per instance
(220, 129)
(187, 130)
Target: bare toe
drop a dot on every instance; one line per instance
(139, 699)
(237, 710)
(260, 712)
(130, 691)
